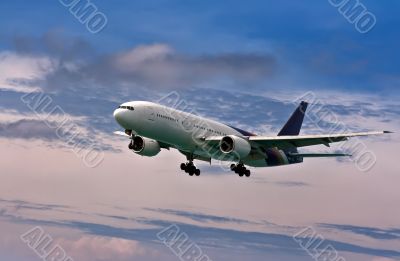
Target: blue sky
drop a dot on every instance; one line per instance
(245, 63)
(312, 43)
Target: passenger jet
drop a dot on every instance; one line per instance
(152, 127)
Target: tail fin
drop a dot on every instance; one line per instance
(293, 125)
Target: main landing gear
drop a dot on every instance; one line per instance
(132, 136)
(241, 170)
(190, 168)
(130, 146)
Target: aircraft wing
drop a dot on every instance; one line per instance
(123, 134)
(285, 142)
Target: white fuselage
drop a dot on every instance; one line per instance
(181, 130)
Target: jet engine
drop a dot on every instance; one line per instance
(235, 146)
(144, 146)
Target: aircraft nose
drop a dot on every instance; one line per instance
(123, 117)
(118, 115)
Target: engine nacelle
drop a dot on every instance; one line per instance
(144, 146)
(235, 146)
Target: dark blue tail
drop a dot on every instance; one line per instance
(293, 125)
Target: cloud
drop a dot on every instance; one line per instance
(383, 259)
(292, 184)
(203, 218)
(27, 129)
(67, 133)
(99, 248)
(22, 72)
(59, 62)
(122, 241)
(160, 66)
(54, 43)
(376, 233)
(20, 204)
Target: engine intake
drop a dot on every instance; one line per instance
(236, 146)
(144, 146)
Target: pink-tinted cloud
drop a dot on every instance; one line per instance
(97, 248)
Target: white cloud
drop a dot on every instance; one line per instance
(135, 57)
(18, 72)
(104, 248)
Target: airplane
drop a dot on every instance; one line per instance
(152, 127)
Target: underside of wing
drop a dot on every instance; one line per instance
(123, 134)
(286, 142)
(319, 155)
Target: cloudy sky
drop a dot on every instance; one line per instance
(66, 180)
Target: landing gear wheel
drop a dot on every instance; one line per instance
(190, 169)
(183, 166)
(241, 170)
(130, 146)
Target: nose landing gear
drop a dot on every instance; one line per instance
(241, 170)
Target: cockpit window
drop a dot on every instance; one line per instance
(127, 107)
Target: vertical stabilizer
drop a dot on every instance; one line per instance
(293, 125)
